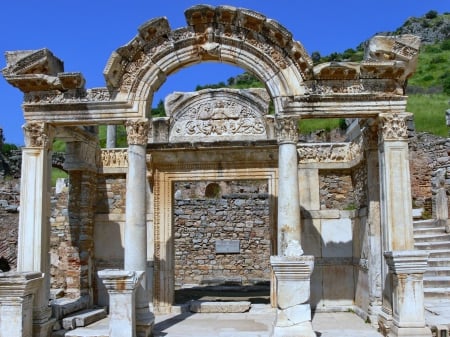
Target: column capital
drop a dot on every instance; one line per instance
(137, 131)
(286, 129)
(38, 134)
(407, 261)
(393, 126)
(116, 280)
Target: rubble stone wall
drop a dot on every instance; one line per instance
(236, 211)
(428, 153)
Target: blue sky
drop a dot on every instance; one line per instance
(84, 34)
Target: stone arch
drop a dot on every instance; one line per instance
(214, 34)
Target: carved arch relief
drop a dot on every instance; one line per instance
(223, 34)
(218, 115)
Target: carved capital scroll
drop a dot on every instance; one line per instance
(287, 131)
(38, 134)
(393, 126)
(137, 131)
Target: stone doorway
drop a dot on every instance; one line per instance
(222, 241)
(176, 219)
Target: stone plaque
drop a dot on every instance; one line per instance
(227, 246)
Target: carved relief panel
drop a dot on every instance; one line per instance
(218, 115)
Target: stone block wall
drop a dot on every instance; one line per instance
(237, 211)
(111, 191)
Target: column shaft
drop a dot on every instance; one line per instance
(289, 230)
(34, 226)
(111, 136)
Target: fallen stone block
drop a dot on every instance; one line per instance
(219, 307)
(83, 318)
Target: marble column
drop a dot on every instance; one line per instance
(121, 286)
(34, 226)
(375, 257)
(407, 268)
(17, 291)
(395, 198)
(111, 135)
(288, 191)
(135, 235)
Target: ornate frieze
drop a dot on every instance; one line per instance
(287, 129)
(70, 96)
(393, 126)
(330, 152)
(114, 157)
(137, 131)
(38, 134)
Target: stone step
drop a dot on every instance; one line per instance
(429, 231)
(437, 271)
(441, 293)
(439, 261)
(436, 253)
(424, 223)
(219, 307)
(83, 318)
(436, 281)
(432, 238)
(432, 245)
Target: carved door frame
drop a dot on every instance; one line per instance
(163, 286)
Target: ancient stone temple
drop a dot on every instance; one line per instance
(164, 212)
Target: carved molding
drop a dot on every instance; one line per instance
(38, 134)
(114, 157)
(330, 152)
(287, 130)
(393, 126)
(137, 131)
(70, 96)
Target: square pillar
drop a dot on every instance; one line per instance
(34, 224)
(121, 286)
(293, 278)
(407, 268)
(395, 200)
(16, 302)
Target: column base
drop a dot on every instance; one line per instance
(395, 331)
(300, 330)
(144, 322)
(43, 329)
(384, 323)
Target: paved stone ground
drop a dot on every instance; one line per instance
(256, 323)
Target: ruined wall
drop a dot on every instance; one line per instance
(336, 190)
(427, 154)
(234, 211)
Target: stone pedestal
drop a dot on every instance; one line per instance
(16, 302)
(293, 277)
(121, 286)
(408, 313)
